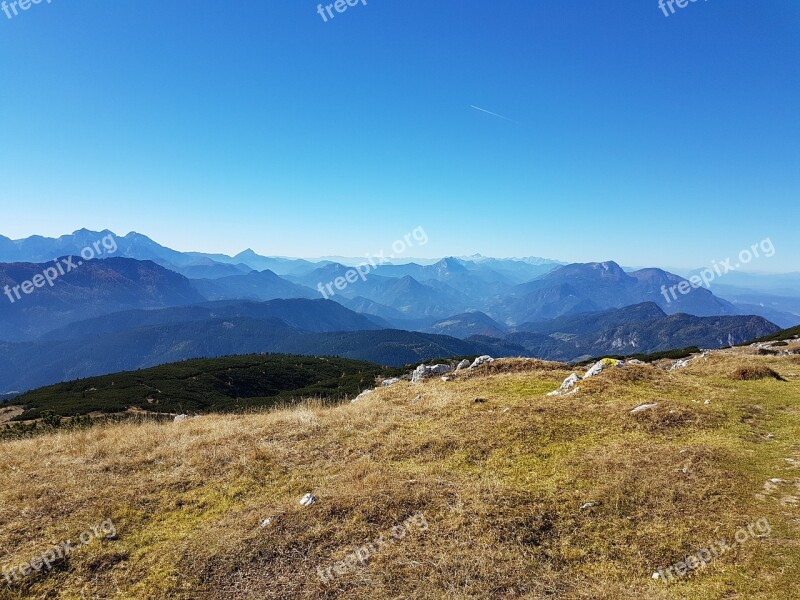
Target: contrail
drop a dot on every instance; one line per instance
(488, 112)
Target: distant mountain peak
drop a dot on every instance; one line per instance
(605, 270)
(449, 265)
(249, 253)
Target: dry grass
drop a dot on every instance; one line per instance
(754, 373)
(500, 483)
(7, 413)
(515, 365)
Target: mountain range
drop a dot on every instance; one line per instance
(146, 304)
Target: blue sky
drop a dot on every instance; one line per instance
(632, 136)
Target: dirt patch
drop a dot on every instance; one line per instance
(9, 412)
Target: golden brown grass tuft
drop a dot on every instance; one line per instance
(516, 365)
(668, 416)
(754, 373)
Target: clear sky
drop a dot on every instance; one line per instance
(218, 126)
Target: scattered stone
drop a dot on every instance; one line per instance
(643, 408)
(481, 360)
(707, 402)
(766, 345)
(417, 399)
(601, 365)
(595, 369)
(480, 400)
(636, 361)
(445, 379)
(181, 418)
(308, 500)
(424, 371)
(266, 522)
(390, 381)
(769, 436)
(589, 505)
(464, 364)
(362, 395)
(568, 384)
(778, 481)
(680, 364)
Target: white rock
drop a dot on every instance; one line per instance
(589, 505)
(181, 418)
(643, 408)
(481, 360)
(565, 393)
(362, 395)
(569, 383)
(266, 522)
(464, 364)
(390, 381)
(424, 371)
(308, 499)
(595, 369)
(680, 364)
(636, 361)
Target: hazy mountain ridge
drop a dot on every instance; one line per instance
(509, 290)
(642, 328)
(126, 313)
(95, 288)
(584, 287)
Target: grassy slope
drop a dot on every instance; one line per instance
(500, 483)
